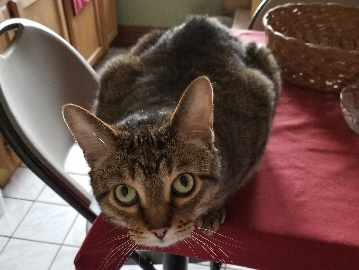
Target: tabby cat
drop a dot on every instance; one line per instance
(179, 124)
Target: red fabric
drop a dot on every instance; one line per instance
(300, 211)
(78, 5)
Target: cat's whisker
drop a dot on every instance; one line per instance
(107, 260)
(224, 246)
(123, 249)
(190, 245)
(207, 230)
(201, 244)
(216, 257)
(111, 240)
(126, 255)
(220, 248)
(231, 240)
(116, 247)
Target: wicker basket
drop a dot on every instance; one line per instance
(316, 45)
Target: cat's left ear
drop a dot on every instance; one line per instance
(193, 116)
(93, 135)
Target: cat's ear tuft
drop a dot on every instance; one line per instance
(194, 113)
(93, 135)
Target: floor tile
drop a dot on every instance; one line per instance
(21, 254)
(77, 232)
(75, 162)
(15, 211)
(65, 259)
(192, 266)
(46, 223)
(23, 184)
(3, 242)
(47, 195)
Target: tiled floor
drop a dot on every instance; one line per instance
(39, 230)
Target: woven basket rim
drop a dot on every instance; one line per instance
(294, 39)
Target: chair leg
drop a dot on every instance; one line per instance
(215, 266)
(141, 261)
(174, 262)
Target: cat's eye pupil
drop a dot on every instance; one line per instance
(184, 181)
(124, 191)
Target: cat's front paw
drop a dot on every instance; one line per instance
(210, 222)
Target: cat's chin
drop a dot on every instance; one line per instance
(155, 242)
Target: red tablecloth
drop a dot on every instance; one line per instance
(300, 211)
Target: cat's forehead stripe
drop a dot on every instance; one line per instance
(148, 153)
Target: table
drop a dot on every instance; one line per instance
(300, 210)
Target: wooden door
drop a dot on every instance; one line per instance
(84, 31)
(49, 13)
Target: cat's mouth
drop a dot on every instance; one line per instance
(168, 238)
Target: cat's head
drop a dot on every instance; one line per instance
(153, 180)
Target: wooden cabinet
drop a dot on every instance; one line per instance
(84, 31)
(49, 13)
(90, 31)
(93, 29)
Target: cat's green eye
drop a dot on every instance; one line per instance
(183, 184)
(126, 195)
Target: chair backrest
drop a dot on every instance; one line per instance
(39, 73)
(257, 20)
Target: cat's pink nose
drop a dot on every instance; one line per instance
(160, 233)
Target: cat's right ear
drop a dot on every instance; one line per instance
(95, 137)
(193, 116)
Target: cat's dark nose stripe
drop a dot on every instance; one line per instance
(160, 233)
